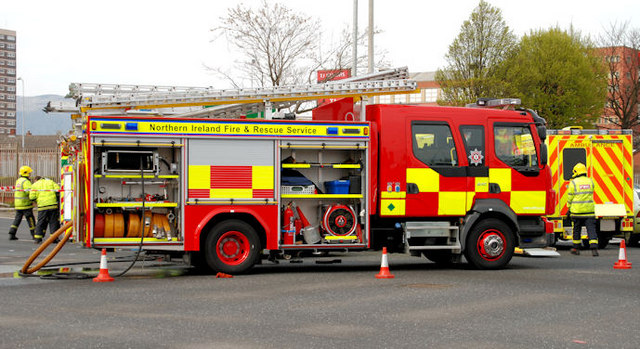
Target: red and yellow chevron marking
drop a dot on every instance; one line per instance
(230, 182)
(609, 161)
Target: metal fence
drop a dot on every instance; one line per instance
(44, 162)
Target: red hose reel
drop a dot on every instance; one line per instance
(339, 220)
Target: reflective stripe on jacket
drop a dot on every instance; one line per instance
(44, 191)
(21, 195)
(580, 196)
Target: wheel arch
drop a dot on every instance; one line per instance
(225, 216)
(489, 208)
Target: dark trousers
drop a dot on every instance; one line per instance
(590, 223)
(28, 215)
(49, 217)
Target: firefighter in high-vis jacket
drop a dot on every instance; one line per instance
(581, 208)
(22, 203)
(45, 192)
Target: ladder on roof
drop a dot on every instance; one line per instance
(233, 96)
(79, 90)
(183, 100)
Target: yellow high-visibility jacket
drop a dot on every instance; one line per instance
(44, 191)
(580, 197)
(21, 195)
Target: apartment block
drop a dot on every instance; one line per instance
(7, 81)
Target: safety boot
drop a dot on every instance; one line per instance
(37, 240)
(594, 252)
(575, 251)
(12, 237)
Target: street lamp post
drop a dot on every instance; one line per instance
(23, 115)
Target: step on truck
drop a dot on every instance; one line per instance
(229, 192)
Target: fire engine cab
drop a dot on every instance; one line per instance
(225, 188)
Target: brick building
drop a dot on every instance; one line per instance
(428, 94)
(623, 66)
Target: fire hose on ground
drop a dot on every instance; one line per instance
(65, 228)
(26, 271)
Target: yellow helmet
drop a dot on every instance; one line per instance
(579, 169)
(25, 170)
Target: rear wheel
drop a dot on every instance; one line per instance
(490, 244)
(232, 247)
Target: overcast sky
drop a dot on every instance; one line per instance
(169, 42)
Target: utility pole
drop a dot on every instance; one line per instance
(23, 116)
(354, 69)
(370, 36)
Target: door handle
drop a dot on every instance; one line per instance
(494, 188)
(412, 188)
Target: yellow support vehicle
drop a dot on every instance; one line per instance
(608, 155)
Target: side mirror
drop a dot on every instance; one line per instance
(543, 154)
(542, 132)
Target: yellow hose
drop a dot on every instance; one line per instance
(25, 268)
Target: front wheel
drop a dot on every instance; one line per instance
(232, 247)
(490, 244)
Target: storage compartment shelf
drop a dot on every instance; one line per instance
(134, 239)
(356, 166)
(321, 196)
(320, 146)
(124, 175)
(137, 204)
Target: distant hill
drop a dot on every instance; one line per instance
(37, 121)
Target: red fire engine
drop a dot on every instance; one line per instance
(439, 182)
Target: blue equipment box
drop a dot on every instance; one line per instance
(337, 187)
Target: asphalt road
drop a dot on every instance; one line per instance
(564, 302)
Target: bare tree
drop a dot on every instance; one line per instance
(278, 46)
(620, 46)
(273, 42)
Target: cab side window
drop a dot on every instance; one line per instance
(433, 145)
(473, 137)
(514, 145)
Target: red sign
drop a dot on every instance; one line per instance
(333, 74)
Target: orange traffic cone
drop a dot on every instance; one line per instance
(103, 276)
(305, 222)
(384, 267)
(622, 257)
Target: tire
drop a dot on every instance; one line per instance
(603, 241)
(439, 257)
(490, 244)
(232, 247)
(556, 237)
(634, 240)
